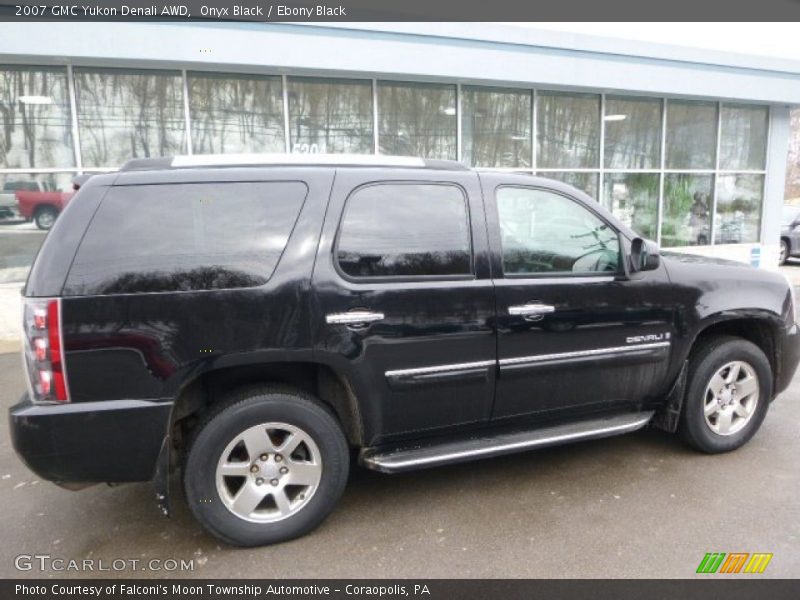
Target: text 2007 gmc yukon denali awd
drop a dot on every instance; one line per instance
(253, 318)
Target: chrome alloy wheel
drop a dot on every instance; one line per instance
(731, 398)
(268, 472)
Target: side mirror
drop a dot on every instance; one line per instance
(645, 255)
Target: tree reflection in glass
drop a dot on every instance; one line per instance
(687, 210)
(129, 114)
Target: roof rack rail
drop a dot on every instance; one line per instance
(254, 160)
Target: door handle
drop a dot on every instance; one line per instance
(532, 309)
(354, 318)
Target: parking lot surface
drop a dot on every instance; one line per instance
(641, 505)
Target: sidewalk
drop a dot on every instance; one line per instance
(10, 316)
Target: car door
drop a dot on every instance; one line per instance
(576, 334)
(404, 303)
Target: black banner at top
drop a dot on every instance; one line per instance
(401, 10)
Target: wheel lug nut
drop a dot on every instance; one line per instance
(264, 457)
(254, 469)
(278, 458)
(274, 482)
(284, 470)
(259, 481)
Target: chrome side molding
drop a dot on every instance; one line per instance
(522, 360)
(440, 369)
(614, 350)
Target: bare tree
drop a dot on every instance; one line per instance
(793, 159)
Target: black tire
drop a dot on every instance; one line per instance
(45, 217)
(707, 358)
(784, 253)
(244, 409)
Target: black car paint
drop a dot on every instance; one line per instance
(597, 311)
(131, 357)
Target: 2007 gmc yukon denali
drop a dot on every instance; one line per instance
(254, 318)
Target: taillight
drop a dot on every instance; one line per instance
(43, 351)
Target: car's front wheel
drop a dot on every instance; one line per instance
(265, 467)
(728, 392)
(784, 253)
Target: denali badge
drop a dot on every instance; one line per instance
(653, 337)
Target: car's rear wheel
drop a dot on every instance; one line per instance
(784, 253)
(45, 217)
(267, 466)
(727, 396)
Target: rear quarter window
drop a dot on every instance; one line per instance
(183, 237)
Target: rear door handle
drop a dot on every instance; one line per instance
(354, 318)
(532, 309)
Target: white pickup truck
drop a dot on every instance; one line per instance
(8, 201)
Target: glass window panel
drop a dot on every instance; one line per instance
(738, 215)
(128, 114)
(236, 114)
(687, 210)
(35, 118)
(180, 237)
(632, 133)
(405, 230)
(568, 130)
(543, 232)
(22, 196)
(792, 181)
(691, 134)
(585, 182)
(330, 115)
(495, 127)
(417, 119)
(633, 199)
(743, 144)
(790, 215)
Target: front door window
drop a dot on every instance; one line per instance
(543, 232)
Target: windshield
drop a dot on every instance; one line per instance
(790, 214)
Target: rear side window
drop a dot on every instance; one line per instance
(181, 237)
(405, 230)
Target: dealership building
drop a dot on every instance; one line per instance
(687, 146)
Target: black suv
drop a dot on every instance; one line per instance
(251, 319)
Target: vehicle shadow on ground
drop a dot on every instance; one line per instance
(126, 522)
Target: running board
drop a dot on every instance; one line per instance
(485, 445)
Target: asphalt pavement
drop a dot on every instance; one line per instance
(640, 505)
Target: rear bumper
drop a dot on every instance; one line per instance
(789, 358)
(111, 441)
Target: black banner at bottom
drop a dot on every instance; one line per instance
(733, 588)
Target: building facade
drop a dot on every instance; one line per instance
(688, 147)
